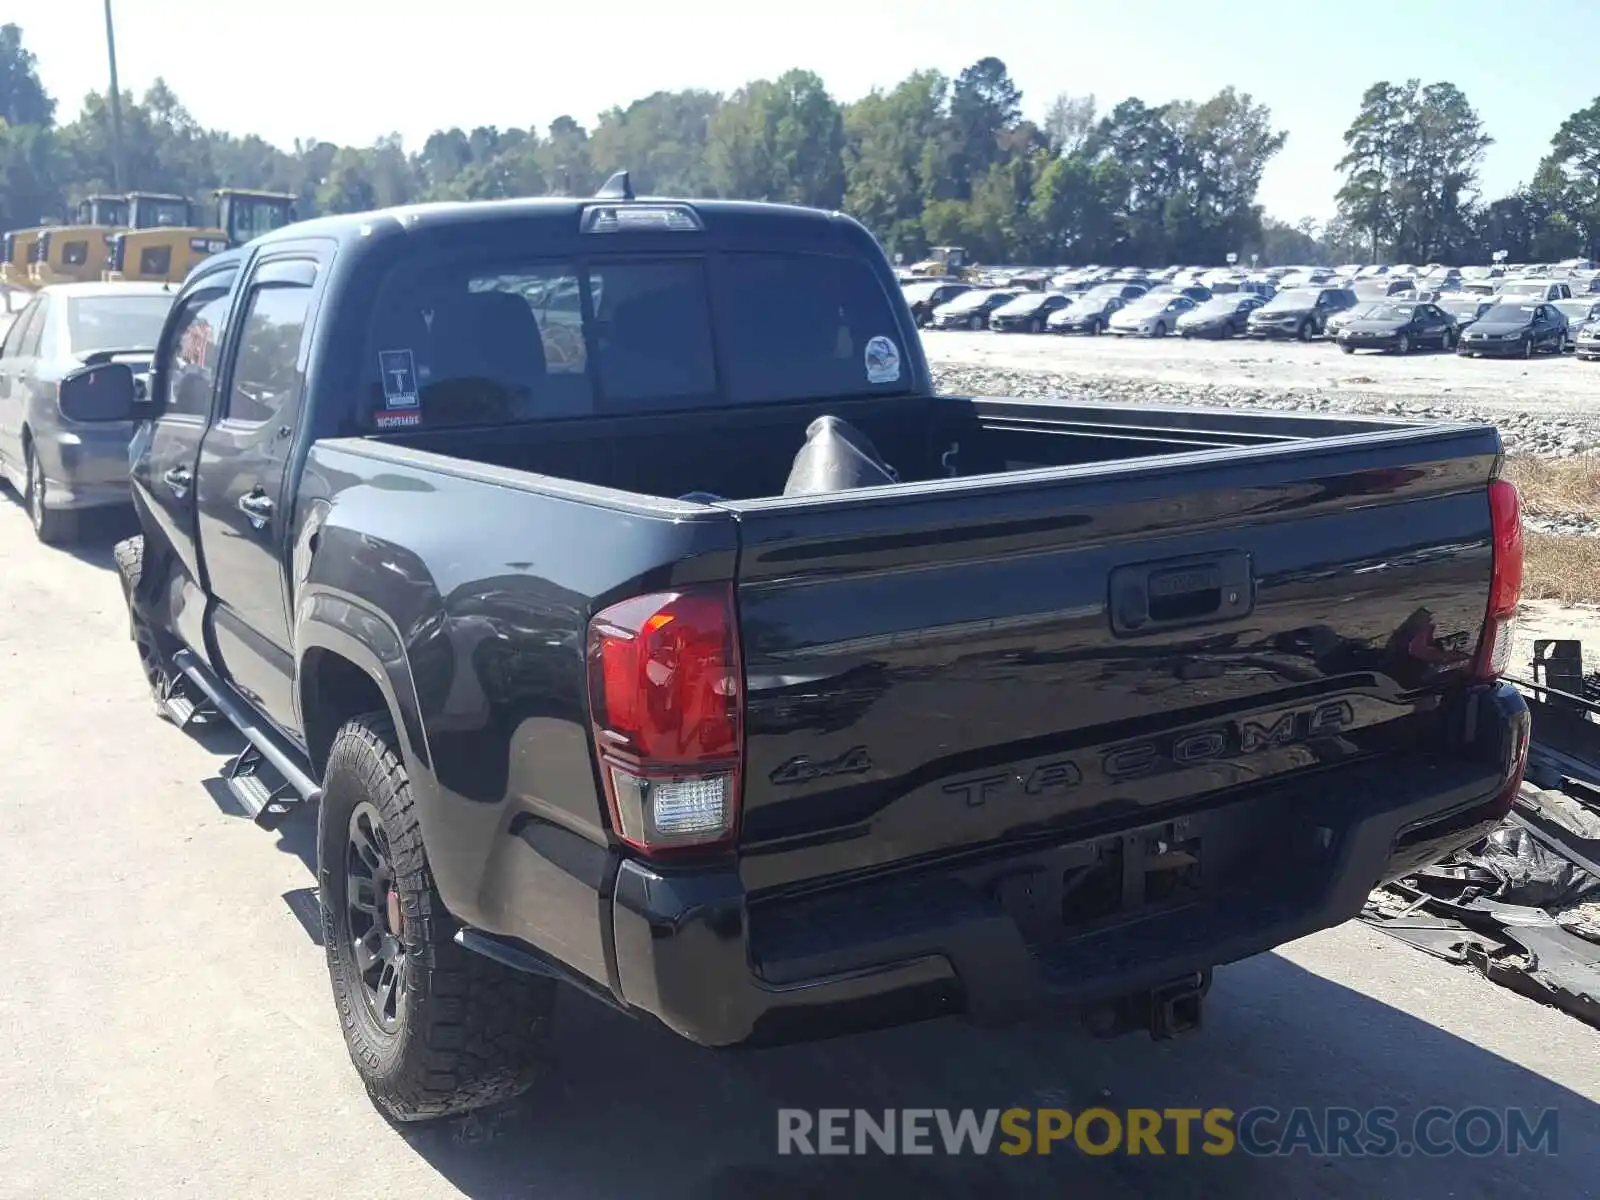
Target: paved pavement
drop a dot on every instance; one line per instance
(166, 1027)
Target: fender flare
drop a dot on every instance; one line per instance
(344, 625)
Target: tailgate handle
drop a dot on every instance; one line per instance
(1181, 591)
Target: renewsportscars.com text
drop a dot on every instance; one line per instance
(1213, 1132)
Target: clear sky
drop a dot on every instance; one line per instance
(352, 70)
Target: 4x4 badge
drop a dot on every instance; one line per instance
(801, 769)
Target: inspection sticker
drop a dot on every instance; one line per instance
(396, 420)
(399, 372)
(883, 361)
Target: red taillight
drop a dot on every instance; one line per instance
(1505, 584)
(666, 698)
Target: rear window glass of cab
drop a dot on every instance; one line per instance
(458, 342)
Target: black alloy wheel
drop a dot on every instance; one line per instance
(373, 918)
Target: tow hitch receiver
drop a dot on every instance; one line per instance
(1165, 1012)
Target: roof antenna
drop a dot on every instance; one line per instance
(618, 187)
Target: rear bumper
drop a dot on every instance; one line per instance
(987, 938)
(86, 468)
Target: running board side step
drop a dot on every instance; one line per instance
(267, 778)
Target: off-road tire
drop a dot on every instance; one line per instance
(129, 557)
(155, 649)
(470, 1032)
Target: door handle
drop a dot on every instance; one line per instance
(1176, 592)
(256, 506)
(178, 479)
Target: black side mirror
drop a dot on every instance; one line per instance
(103, 392)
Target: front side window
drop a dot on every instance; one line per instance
(266, 372)
(192, 363)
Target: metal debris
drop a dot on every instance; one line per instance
(1523, 904)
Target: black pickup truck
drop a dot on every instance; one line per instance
(608, 574)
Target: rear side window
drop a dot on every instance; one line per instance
(12, 347)
(266, 371)
(33, 322)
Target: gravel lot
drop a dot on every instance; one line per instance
(168, 1029)
(1543, 406)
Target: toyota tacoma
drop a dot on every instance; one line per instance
(608, 576)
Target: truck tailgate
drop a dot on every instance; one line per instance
(945, 667)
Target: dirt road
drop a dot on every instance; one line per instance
(168, 1030)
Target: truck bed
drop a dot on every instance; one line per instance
(746, 454)
(946, 664)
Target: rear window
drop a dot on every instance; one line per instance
(455, 343)
(115, 322)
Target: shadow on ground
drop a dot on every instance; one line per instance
(95, 533)
(629, 1110)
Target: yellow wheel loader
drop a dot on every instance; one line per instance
(78, 252)
(166, 242)
(942, 261)
(20, 247)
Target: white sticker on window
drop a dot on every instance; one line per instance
(397, 420)
(399, 379)
(883, 361)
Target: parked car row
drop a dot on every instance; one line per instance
(1298, 302)
(1377, 316)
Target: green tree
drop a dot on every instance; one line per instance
(1072, 211)
(1282, 244)
(984, 104)
(1069, 122)
(563, 159)
(23, 100)
(1226, 143)
(348, 187)
(1139, 155)
(660, 140)
(779, 140)
(1571, 175)
(886, 159)
(1374, 148)
(1411, 169)
(30, 171)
